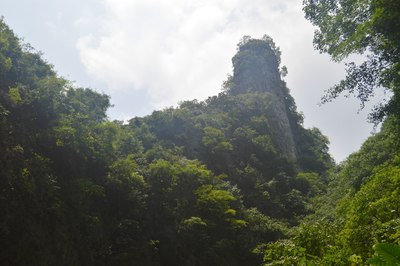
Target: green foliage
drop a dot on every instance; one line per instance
(371, 26)
(373, 206)
(215, 139)
(14, 95)
(283, 252)
(386, 254)
(360, 208)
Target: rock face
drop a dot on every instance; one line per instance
(256, 70)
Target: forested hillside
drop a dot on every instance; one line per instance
(235, 179)
(201, 184)
(360, 209)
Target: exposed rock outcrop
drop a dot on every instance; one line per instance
(256, 69)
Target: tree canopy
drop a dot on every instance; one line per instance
(370, 27)
(201, 184)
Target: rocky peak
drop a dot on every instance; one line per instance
(255, 70)
(256, 67)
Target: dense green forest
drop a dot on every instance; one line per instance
(232, 180)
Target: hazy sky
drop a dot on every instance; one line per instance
(151, 54)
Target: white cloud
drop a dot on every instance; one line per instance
(175, 50)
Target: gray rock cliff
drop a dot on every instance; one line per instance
(256, 70)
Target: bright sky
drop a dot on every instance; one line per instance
(151, 54)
